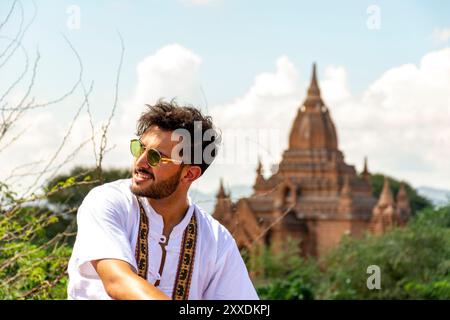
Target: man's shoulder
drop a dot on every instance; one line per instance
(213, 229)
(112, 201)
(114, 192)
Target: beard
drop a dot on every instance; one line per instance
(158, 190)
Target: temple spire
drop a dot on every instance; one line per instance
(403, 205)
(313, 90)
(365, 173)
(313, 101)
(402, 199)
(313, 127)
(386, 197)
(259, 168)
(365, 170)
(402, 194)
(221, 193)
(259, 181)
(384, 213)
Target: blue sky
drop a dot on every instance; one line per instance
(387, 88)
(237, 39)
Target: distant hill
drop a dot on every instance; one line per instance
(207, 201)
(438, 197)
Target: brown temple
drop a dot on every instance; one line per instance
(315, 196)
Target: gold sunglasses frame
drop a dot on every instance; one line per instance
(161, 158)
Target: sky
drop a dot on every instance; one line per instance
(383, 68)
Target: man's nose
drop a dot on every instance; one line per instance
(141, 161)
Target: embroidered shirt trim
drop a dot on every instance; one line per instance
(186, 262)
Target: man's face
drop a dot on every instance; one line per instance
(156, 182)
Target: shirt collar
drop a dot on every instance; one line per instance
(156, 222)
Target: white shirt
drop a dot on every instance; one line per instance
(108, 223)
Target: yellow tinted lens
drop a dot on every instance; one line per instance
(136, 148)
(153, 157)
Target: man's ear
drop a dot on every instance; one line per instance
(192, 173)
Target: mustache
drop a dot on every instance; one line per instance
(144, 171)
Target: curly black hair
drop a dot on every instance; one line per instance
(169, 116)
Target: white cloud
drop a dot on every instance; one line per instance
(256, 124)
(401, 121)
(172, 72)
(270, 95)
(334, 87)
(441, 35)
(33, 151)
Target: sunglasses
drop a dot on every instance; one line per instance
(154, 157)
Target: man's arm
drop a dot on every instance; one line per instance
(121, 283)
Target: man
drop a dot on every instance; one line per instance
(143, 238)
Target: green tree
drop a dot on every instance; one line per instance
(32, 263)
(35, 231)
(414, 262)
(70, 189)
(77, 183)
(36, 240)
(280, 273)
